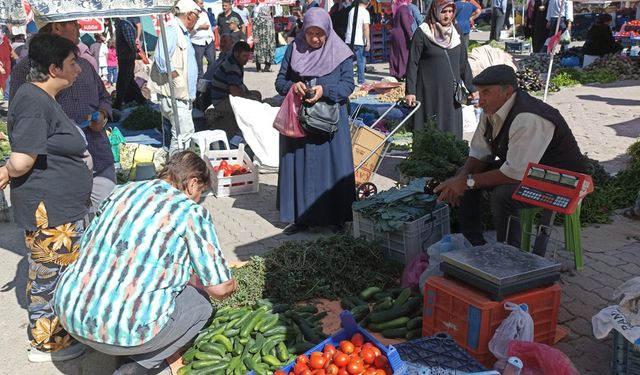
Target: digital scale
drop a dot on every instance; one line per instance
(554, 189)
(499, 269)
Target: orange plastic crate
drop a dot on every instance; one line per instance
(471, 318)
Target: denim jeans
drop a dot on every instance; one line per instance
(359, 52)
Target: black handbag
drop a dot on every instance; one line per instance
(320, 118)
(460, 92)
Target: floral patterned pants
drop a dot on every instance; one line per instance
(51, 251)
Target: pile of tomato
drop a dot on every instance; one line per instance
(352, 357)
(230, 169)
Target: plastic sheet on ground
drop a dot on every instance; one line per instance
(255, 120)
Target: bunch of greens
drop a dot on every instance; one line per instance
(142, 118)
(435, 154)
(251, 280)
(600, 75)
(330, 267)
(566, 78)
(391, 209)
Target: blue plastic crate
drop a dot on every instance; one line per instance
(438, 354)
(625, 357)
(349, 328)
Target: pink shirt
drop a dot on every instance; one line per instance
(112, 58)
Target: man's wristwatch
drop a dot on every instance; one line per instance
(471, 183)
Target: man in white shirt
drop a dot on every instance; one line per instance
(561, 10)
(361, 42)
(202, 39)
(244, 14)
(515, 129)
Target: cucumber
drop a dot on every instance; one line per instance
(381, 295)
(358, 301)
(261, 369)
(229, 333)
(280, 308)
(209, 363)
(346, 303)
(271, 360)
(308, 308)
(243, 320)
(360, 309)
(395, 333)
(250, 325)
(414, 334)
(403, 297)
(255, 348)
(414, 323)
(395, 312)
(248, 361)
(237, 347)
(208, 356)
(212, 347)
(368, 293)
(301, 347)
(184, 370)
(400, 322)
(319, 316)
(188, 356)
(383, 304)
(232, 365)
(224, 341)
(268, 345)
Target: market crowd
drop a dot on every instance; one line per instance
(128, 270)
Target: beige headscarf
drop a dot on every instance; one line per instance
(446, 37)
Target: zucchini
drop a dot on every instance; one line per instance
(395, 323)
(209, 363)
(395, 333)
(403, 297)
(368, 293)
(271, 360)
(414, 334)
(414, 323)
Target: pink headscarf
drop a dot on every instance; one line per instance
(396, 4)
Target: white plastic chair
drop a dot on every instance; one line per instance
(205, 138)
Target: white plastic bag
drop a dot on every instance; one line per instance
(448, 243)
(565, 38)
(517, 326)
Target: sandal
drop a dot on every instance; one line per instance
(631, 213)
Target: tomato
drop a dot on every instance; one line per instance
(244, 170)
(357, 339)
(299, 367)
(317, 362)
(376, 351)
(356, 359)
(223, 164)
(318, 372)
(342, 371)
(380, 372)
(369, 371)
(368, 356)
(236, 167)
(279, 372)
(332, 369)
(367, 345)
(346, 346)
(306, 372)
(341, 359)
(381, 362)
(302, 358)
(227, 172)
(330, 349)
(355, 368)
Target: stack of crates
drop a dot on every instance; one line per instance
(379, 51)
(471, 318)
(625, 358)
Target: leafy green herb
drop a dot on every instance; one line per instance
(143, 118)
(251, 279)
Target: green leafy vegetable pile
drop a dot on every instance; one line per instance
(330, 267)
(566, 78)
(391, 209)
(251, 280)
(572, 77)
(142, 118)
(435, 154)
(5, 148)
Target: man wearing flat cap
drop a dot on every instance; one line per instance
(184, 73)
(515, 129)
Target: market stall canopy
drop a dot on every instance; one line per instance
(65, 10)
(265, 2)
(12, 12)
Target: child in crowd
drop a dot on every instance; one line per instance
(112, 62)
(102, 62)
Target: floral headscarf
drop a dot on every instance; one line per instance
(447, 36)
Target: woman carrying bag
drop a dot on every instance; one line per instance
(316, 184)
(437, 69)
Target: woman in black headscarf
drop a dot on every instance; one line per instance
(600, 38)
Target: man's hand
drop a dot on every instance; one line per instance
(98, 125)
(174, 74)
(367, 47)
(569, 26)
(299, 88)
(4, 177)
(317, 96)
(138, 46)
(410, 99)
(451, 190)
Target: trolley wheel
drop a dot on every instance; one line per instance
(366, 190)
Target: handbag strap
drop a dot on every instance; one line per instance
(450, 68)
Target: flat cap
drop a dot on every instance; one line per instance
(496, 75)
(233, 20)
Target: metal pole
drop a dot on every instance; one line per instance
(354, 23)
(172, 90)
(546, 86)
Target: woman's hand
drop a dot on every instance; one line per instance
(318, 90)
(4, 177)
(410, 99)
(299, 88)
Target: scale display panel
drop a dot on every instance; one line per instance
(552, 188)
